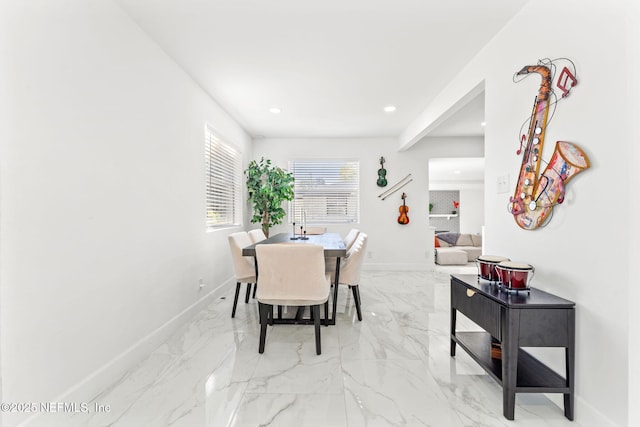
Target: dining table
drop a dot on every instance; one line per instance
(333, 248)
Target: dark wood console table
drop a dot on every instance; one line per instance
(523, 319)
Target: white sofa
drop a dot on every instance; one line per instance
(457, 248)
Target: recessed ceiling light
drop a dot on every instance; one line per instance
(389, 108)
(483, 124)
(457, 172)
(275, 110)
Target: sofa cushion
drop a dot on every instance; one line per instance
(464, 240)
(476, 239)
(472, 252)
(450, 256)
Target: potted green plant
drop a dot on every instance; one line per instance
(267, 187)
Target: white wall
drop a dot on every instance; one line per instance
(102, 196)
(633, 132)
(575, 256)
(4, 135)
(472, 215)
(391, 245)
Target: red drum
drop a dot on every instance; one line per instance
(487, 266)
(514, 275)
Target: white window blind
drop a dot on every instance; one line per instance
(326, 191)
(223, 182)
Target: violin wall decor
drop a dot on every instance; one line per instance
(536, 195)
(382, 173)
(404, 209)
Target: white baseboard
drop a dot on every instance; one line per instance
(585, 414)
(588, 416)
(92, 385)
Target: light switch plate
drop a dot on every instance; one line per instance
(503, 184)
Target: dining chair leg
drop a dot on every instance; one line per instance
(261, 313)
(255, 287)
(316, 322)
(326, 313)
(246, 298)
(356, 298)
(264, 314)
(235, 300)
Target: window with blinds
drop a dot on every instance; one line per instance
(326, 191)
(223, 182)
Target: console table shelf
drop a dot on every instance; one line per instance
(531, 318)
(533, 375)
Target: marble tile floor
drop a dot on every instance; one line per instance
(391, 369)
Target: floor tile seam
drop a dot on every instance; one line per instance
(289, 393)
(392, 361)
(386, 359)
(253, 371)
(430, 332)
(342, 380)
(241, 399)
(342, 374)
(416, 348)
(192, 350)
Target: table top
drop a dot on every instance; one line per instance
(535, 298)
(332, 243)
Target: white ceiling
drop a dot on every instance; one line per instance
(450, 170)
(330, 65)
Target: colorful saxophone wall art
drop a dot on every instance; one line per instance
(536, 194)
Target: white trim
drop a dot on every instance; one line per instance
(585, 414)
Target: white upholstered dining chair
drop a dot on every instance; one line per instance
(349, 240)
(257, 235)
(243, 266)
(350, 269)
(291, 275)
